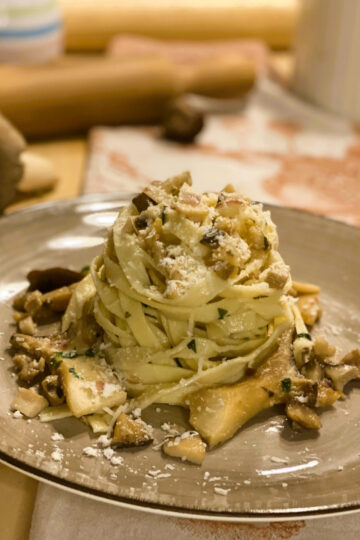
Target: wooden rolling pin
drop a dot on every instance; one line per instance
(78, 92)
(90, 24)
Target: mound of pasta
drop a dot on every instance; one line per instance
(190, 290)
(189, 304)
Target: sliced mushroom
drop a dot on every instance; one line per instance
(52, 278)
(52, 390)
(37, 347)
(27, 326)
(142, 202)
(305, 288)
(323, 348)
(342, 374)
(131, 432)
(326, 396)
(302, 414)
(28, 367)
(313, 370)
(189, 446)
(29, 402)
(352, 358)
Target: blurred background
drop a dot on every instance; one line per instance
(260, 93)
(105, 96)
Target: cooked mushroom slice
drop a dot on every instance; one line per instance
(58, 299)
(309, 308)
(217, 413)
(326, 396)
(313, 370)
(29, 367)
(187, 446)
(305, 288)
(37, 347)
(52, 278)
(29, 402)
(52, 390)
(27, 326)
(342, 374)
(33, 302)
(302, 414)
(142, 202)
(352, 358)
(131, 432)
(323, 348)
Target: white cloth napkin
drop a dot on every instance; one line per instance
(279, 150)
(59, 515)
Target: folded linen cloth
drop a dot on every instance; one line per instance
(59, 515)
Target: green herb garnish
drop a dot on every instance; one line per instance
(286, 385)
(304, 335)
(85, 269)
(192, 345)
(163, 216)
(74, 373)
(127, 314)
(222, 312)
(54, 363)
(266, 243)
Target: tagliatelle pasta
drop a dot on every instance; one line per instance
(189, 304)
(190, 291)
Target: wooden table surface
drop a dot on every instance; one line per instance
(18, 492)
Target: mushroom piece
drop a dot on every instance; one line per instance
(342, 374)
(52, 390)
(313, 370)
(189, 446)
(27, 326)
(302, 414)
(323, 348)
(37, 347)
(28, 402)
(181, 121)
(28, 367)
(131, 432)
(52, 278)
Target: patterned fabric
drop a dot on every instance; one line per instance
(280, 150)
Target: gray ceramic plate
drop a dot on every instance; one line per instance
(270, 471)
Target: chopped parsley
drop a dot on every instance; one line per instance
(127, 314)
(286, 385)
(85, 269)
(163, 216)
(54, 363)
(304, 335)
(74, 373)
(90, 353)
(222, 312)
(192, 345)
(266, 243)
